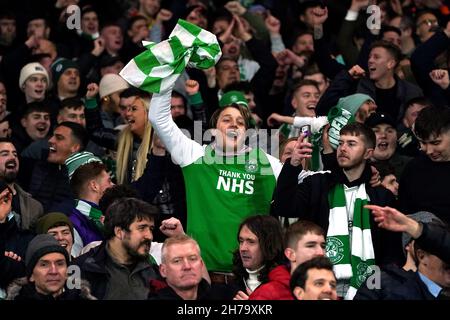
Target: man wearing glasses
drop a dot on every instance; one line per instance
(425, 25)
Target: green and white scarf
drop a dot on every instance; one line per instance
(157, 68)
(353, 260)
(92, 213)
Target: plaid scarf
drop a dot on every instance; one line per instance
(351, 251)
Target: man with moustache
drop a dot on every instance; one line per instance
(119, 268)
(334, 201)
(25, 209)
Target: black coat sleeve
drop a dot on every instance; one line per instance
(263, 79)
(102, 136)
(152, 179)
(291, 199)
(342, 85)
(327, 65)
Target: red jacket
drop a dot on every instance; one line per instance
(277, 288)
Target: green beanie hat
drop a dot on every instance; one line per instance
(353, 102)
(236, 97)
(78, 159)
(59, 66)
(233, 97)
(344, 113)
(51, 220)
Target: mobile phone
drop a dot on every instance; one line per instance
(307, 131)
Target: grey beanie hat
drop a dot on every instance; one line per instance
(421, 216)
(41, 245)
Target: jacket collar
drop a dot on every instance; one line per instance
(340, 177)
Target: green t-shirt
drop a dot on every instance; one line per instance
(220, 193)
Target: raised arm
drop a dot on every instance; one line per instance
(183, 150)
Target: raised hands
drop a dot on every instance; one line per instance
(319, 16)
(92, 90)
(356, 72)
(359, 5)
(239, 29)
(171, 227)
(12, 255)
(393, 220)
(99, 46)
(235, 7)
(191, 87)
(440, 77)
(272, 24)
(164, 15)
(287, 57)
(302, 150)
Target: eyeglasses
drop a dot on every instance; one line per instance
(428, 22)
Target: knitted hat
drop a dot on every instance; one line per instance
(421, 216)
(111, 83)
(41, 245)
(379, 118)
(29, 69)
(61, 65)
(233, 97)
(343, 113)
(78, 159)
(52, 219)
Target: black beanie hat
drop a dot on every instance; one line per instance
(41, 245)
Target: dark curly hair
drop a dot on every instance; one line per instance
(270, 238)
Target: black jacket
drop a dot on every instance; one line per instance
(49, 184)
(93, 269)
(309, 201)
(205, 292)
(22, 290)
(162, 184)
(424, 187)
(396, 284)
(15, 240)
(344, 85)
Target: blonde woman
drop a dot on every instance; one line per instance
(133, 142)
